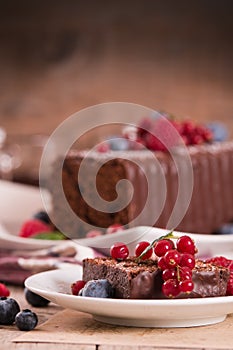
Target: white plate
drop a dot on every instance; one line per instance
(17, 204)
(208, 245)
(12, 242)
(55, 286)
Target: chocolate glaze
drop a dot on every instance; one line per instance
(211, 203)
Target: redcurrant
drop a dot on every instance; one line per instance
(171, 288)
(162, 264)
(185, 244)
(187, 260)
(186, 286)
(140, 247)
(185, 273)
(169, 274)
(172, 258)
(119, 251)
(163, 246)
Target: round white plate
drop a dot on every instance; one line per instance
(208, 245)
(12, 242)
(56, 286)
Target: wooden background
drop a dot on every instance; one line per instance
(58, 57)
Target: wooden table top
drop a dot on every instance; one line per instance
(8, 333)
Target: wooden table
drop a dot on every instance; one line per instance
(8, 333)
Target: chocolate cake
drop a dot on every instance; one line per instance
(133, 280)
(210, 207)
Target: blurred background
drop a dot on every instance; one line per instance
(59, 56)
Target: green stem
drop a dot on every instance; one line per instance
(167, 236)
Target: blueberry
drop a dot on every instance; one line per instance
(226, 229)
(119, 144)
(8, 309)
(219, 130)
(35, 299)
(42, 216)
(98, 289)
(26, 320)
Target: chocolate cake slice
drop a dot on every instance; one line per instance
(143, 280)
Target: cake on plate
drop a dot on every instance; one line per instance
(143, 280)
(211, 203)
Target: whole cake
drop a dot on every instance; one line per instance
(210, 207)
(143, 280)
(211, 203)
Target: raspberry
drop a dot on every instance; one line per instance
(77, 286)
(220, 261)
(224, 262)
(168, 133)
(103, 147)
(4, 291)
(32, 227)
(114, 228)
(93, 233)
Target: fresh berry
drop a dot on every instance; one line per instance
(32, 227)
(101, 288)
(185, 244)
(93, 233)
(219, 261)
(119, 251)
(77, 286)
(145, 125)
(185, 273)
(187, 260)
(8, 310)
(169, 274)
(227, 263)
(172, 258)
(4, 291)
(114, 228)
(103, 147)
(163, 135)
(119, 144)
(35, 299)
(226, 229)
(218, 130)
(171, 288)
(162, 264)
(42, 216)
(186, 286)
(163, 246)
(140, 248)
(26, 320)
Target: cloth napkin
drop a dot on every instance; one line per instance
(16, 266)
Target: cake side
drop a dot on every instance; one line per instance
(211, 204)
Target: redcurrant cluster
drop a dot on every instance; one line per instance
(176, 264)
(175, 261)
(172, 133)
